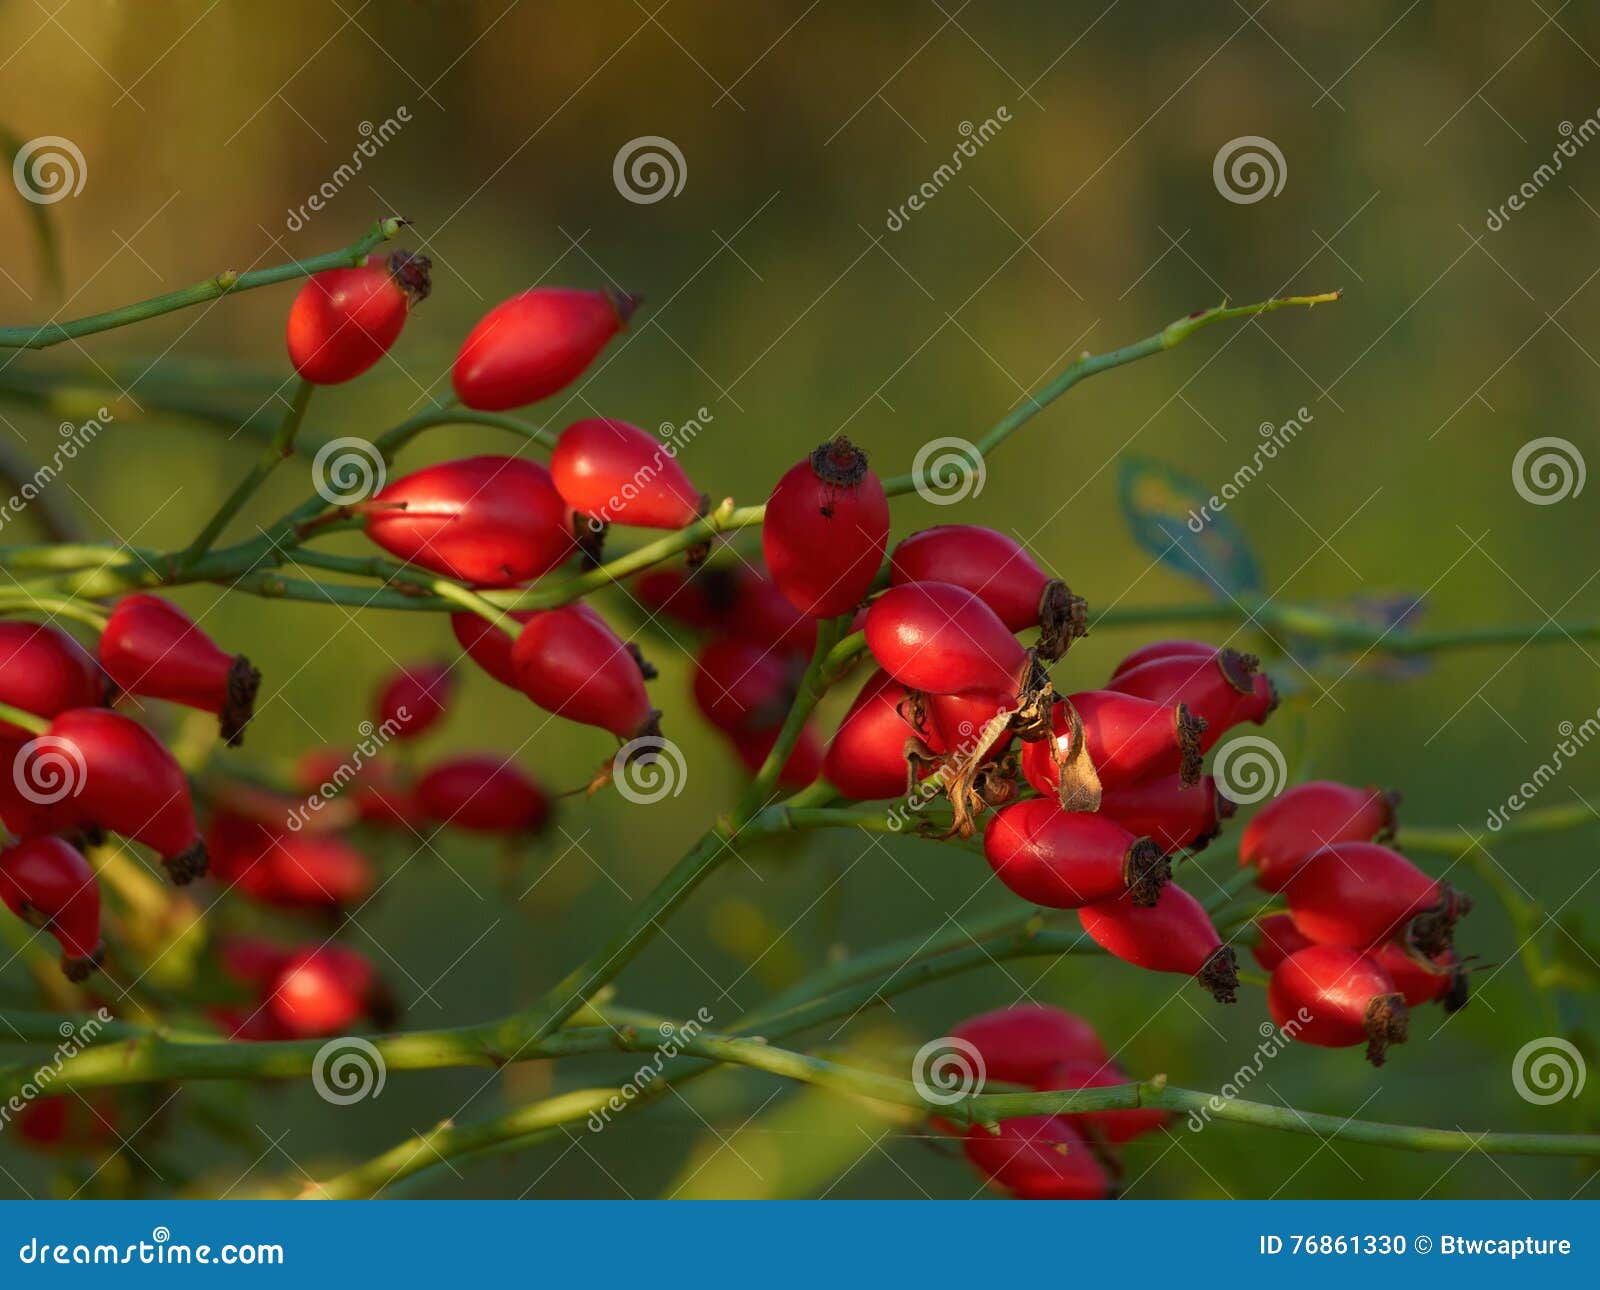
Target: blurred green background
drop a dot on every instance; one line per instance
(779, 300)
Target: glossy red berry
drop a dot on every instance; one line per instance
(1441, 978)
(760, 613)
(344, 320)
(1115, 1127)
(571, 663)
(1066, 859)
(615, 473)
(1023, 1043)
(47, 883)
(941, 639)
(1214, 688)
(488, 521)
(1175, 817)
(826, 529)
(487, 645)
(805, 759)
(1276, 938)
(415, 698)
(287, 869)
(483, 794)
(1159, 649)
(1173, 935)
(867, 758)
(150, 647)
(1128, 739)
(999, 572)
(324, 990)
(739, 685)
(96, 767)
(1336, 998)
(534, 344)
(1038, 1157)
(1302, 820)
(956, 722)
(45, 672)
(1356, 894)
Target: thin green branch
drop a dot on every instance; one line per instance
(226, 283)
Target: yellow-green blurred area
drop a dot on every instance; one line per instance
(779, 299)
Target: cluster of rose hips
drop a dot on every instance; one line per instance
(1048, 1157)
(1367, 934)
(1088, 795)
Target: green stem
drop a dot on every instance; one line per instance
(225, 283)
(392, 441)
(26, 720)
(273, 455)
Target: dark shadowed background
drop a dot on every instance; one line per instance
(783, 300)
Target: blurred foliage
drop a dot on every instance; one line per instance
(778, 300)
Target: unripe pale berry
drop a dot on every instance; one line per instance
(487, 521)
(1357, 894)
(825, 530)
(534, 344)
(1065, 859)
(941, 639)
(1173, 935)
(614, 473)
(344, 320)
(1302, 820)
(150, 647)
(1336, 998)
(47, 883)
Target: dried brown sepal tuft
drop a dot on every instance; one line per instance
(1432, 932)
(240, 704)
(189, 864)
(1189, 728)
(1063, 618)
(1145, 871)
(1386, 1021)
(1220, 974)
(1238, 669)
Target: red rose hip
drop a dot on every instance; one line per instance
(483, 793)
(611, 472)
(344, 320)
(534, 344)
(47, 883)
(1300, 821)
(45, 672)
(942, 639)
(1065, 860)
(571, 663)
(1336, 998)
(1173, 935)
(1357, 894)
(826, 529)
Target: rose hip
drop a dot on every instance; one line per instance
(1302, 820)
(739, 685)
(483, 793)
(1173, 935)
(941, 639)
(571, 663)
(1212, 688)
(1128, 739)
(614, 473)
(1065, 860)
(415, 698)
(344, 320)
(1038, 1157)
(1023, 1043)
(1356, 894)
(1336, 998)
(825, 530)
(868, 757)
(1176, 817)
(1276, 938)
(534, 344)
(47, 883)
(45, 672)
